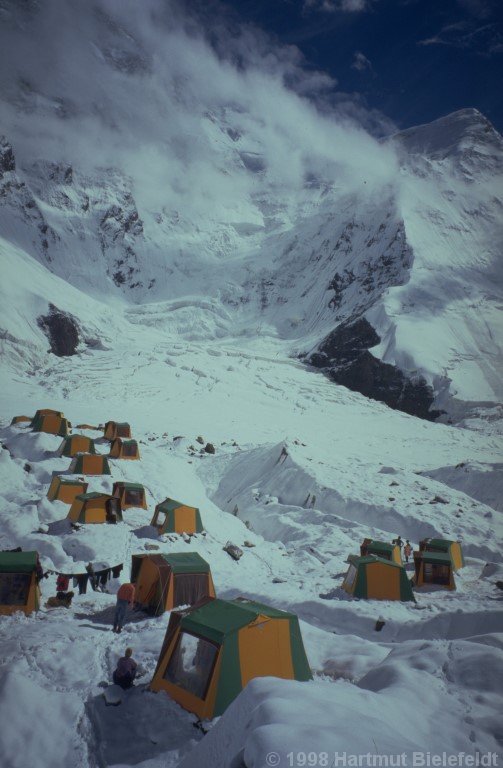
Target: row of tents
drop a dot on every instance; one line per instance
(55, 423)
(170, 516)
(83, 448)
(379, 574)
(164, 581)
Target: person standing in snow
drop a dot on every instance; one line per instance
(399, 543)
(407, 550)
(125, 673)
(125, 597)
(92, 576)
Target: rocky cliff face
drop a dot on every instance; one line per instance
(345, 356)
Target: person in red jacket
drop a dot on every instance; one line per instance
(125, 597)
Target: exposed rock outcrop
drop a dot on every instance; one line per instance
(62, 330)
(345, 356)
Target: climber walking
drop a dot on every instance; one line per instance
(125, 597)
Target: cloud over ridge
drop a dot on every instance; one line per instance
(201, 112)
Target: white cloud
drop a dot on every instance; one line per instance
(484, 40)
(353, 5)
(360, 62)
(331, 6)
(148, 88)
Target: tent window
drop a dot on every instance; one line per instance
(191, 664)
(129, 449)
(436, 574)
(160, 519)
(350, 577)
(14, 588)
(189, 588)
(441, 574)
(134, 497)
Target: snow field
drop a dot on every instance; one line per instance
(297, 562)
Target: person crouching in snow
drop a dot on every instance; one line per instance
(125, 673)
(125, 597)
(62, 600)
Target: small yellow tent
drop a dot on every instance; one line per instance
(52, 422)
(115, 429)
(20, 419)
(373, 578)
(381, 549)
(95, 508)
(74, 444)
(130, 494)
(18, 582)
(124, 449)
(171, 579)
(89, 464)
(65, 489)
(174, 517)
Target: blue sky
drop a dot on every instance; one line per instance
(412, 60)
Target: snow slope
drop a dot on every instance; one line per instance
(357, 458)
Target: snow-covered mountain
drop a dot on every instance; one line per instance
(151, 180)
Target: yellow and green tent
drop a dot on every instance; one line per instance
(381, 549)
(45, 412)
(124, 449)
(115, 429)
(21, 419)
(90, 464)
(433, 568)
(65, 489)
(373, 578)
(446, 546)
(172, 516)
(73, 444)
(130, 494)
(52, 422)
(212, 650)
(95, 508)
(168, 580)
(18, 582)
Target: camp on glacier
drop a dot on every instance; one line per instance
(250, 364)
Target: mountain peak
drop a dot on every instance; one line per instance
(452, 136)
